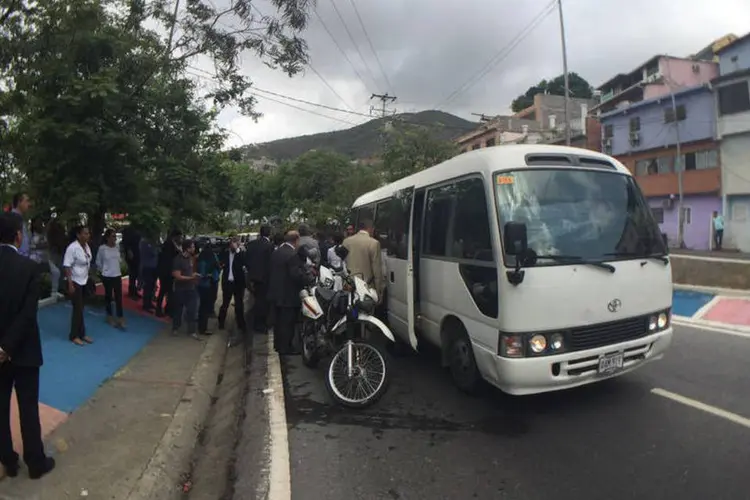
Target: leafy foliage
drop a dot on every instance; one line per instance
(97, 116)
(579, 88)
(414, 150)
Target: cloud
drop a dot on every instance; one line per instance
(428, 49)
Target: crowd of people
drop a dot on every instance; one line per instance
(174, 278)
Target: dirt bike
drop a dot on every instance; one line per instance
(338, 320)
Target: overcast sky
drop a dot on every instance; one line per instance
(430, 48)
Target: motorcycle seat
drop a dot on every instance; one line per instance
(325, 294)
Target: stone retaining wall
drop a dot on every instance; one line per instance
(712, 273)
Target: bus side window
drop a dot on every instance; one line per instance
(471, 231)
(472, 244)
(382, 223)
(438, 213)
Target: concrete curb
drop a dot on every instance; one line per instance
(727, 292)
(162, 477)
(715, 325)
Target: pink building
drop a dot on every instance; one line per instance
(656, 77)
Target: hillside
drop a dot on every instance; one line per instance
(362, 141)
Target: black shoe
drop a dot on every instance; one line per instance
(11, 470)
(46, 466)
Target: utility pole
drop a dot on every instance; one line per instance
(678, 168)
(384, 100)
(565, 74)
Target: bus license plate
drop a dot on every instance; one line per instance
(611, 363)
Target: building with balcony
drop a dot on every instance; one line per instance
(644, 137)
(655, 78)
(732, 93)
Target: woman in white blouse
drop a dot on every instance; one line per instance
(108, 261)
(77, 262)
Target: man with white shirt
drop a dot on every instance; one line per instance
(233, 282)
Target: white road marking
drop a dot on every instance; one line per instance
(713, 410)
(706, 307)
(711, 328)
(280, 480)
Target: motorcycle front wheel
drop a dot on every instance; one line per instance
(365, 382)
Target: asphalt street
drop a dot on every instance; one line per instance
(613, 440)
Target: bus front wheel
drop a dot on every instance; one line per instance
(461, 361)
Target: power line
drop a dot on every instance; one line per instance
(372, 47)
(501, 54)
(310, 103)
(325, 82)
(303, 109)
(351, 38)
(309, 65)
(338, 46)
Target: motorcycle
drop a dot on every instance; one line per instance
(337, 320)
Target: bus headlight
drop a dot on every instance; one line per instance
(556, 342)
(538, 343)
(658, 322)
(662, 320)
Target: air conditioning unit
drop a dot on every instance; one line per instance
(668, 204)
(635, 138)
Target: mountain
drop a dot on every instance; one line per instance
(359, 142)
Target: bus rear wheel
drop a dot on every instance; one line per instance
(461, 361)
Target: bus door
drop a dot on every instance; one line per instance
(412, 267)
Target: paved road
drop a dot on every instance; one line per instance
(615, 440)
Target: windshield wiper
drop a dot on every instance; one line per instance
(660, 257)
(579, 260)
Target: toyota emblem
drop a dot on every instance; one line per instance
(614, 305)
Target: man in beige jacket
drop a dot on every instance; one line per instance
(364, 256)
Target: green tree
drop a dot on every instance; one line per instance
(579, 88)
(411, 149)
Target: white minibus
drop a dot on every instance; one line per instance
(533, 267)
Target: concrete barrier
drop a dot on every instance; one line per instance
(717, 272)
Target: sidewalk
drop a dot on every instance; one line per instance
(712, 307)
(121, 416)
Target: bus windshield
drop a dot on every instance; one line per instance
(591, 215)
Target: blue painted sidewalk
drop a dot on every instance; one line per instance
(686, 303)
(71, 374)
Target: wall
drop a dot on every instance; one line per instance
(736, 123)
(739, 49)
(737, 223)
(693, 181)
(680, 73)
(699, 124)
(735, 161)
(698, 230)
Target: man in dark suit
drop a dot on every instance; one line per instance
(20, 352)
(233, 284)
(258, 263)
(287, 279)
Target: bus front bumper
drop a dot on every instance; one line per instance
(564, 371)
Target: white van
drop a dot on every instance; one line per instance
(534, 267)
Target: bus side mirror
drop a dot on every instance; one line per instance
(515, 238)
